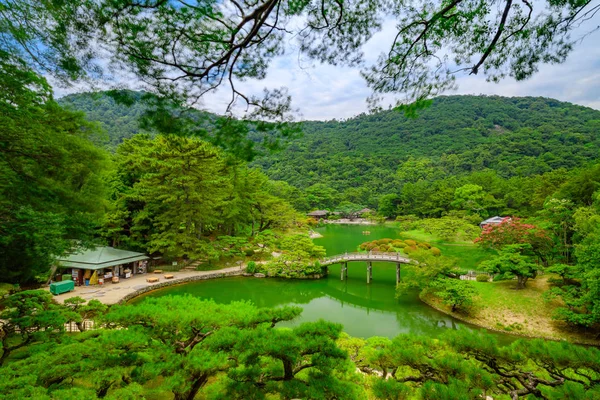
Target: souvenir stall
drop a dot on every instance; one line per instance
(101, 265)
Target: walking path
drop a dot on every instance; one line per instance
(112, 293)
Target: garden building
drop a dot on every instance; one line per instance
(492, 221)
(318, 214)
(96, 266)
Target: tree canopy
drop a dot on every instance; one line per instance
(51, 190)
(182, 347)
(518, 150)
(182, 50)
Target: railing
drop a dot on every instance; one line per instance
(370, 256)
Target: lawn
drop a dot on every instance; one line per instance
(501, 307)
(468, 253)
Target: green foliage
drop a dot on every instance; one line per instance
(448, 228)
(85, 310)
(454, 292)
(482, 278)
(181, 197)
(221, 42)
(29, 317)
(299, 258)
(397, 245)
(580, 290)
(465, 364)
(436, 275)
(473, 198)
(513, 148)
(181, 346)
(251, 267)
(51, 190)
(512, 263)
(502, 145)
(388, 205)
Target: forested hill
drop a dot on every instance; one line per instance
(362, 158)
(515, 136)
(119, 121)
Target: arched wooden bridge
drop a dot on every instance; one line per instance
(369, 258)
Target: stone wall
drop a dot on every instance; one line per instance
(195, 278)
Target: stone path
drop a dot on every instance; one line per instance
(112, 293)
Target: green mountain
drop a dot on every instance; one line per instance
(485, 140)
(120, 121)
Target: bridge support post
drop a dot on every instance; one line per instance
(397, 273)
(369, 272)
(344, 269)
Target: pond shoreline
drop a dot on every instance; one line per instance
(346, 221)
(215, 275)
(493, 329)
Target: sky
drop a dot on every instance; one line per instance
(325, 92)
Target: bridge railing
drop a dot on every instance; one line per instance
(372, 255)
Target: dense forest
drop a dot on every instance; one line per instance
(516, 151)
(142, 170)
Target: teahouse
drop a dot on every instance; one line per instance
(318, 214)
(492, 221)
(99, 265)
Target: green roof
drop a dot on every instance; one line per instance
(100, 257)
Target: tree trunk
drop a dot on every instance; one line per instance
(288, 370)
(103, 390)
(199, 381)
(521, 281)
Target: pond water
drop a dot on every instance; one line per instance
(363, 309)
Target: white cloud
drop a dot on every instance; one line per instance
(323, 92)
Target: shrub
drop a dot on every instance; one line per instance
(385, 241)
(435, 251)
(423, 246)
(410, 243)
(401, 245)
(410, 249)
(249, 252)
(251, 267)
(482, 278)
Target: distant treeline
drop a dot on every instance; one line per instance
(516, 151)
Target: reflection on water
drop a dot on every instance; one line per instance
(364, 310)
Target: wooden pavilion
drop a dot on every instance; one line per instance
(104, 263)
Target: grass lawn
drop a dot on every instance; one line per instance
(468, 253)
(501, 307)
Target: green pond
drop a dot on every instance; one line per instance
(363, 309)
